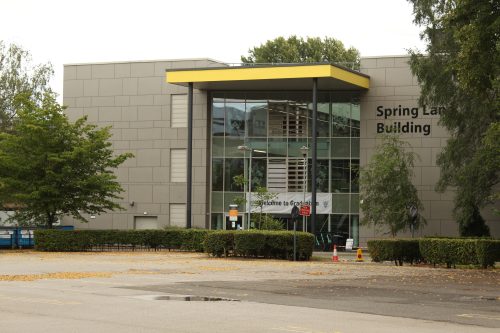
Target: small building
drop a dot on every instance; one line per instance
(252, 121)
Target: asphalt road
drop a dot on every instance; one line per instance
(387, 296)
(129, 292)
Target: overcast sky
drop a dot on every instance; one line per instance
(71, 31)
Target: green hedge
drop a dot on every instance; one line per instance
(443, 251)
(85, 240)
(268, 244)
(397, 250)
(460, 251)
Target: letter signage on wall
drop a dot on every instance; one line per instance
(398, 119)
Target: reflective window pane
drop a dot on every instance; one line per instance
(340, 176)
(259, 146)
(217, 174)
(323, 122)
(278, 118)
(340, 203)
(354, 203)
(355, 119)
(256, 117)
(218, 128)
(321, 176)
(231, 147)
(277, 147)
(217, 202)
(294, 146)
(235, 117)
(323, 149)
(217, 222)
(259, 173)
(233, 167)
(231, 198)
(355, 176)
(355, 147)
(218, 147)
(339, 224)
(341, 148)
(341, 114)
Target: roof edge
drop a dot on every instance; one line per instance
(253, 66)
(143, 61)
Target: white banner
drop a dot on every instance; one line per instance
(284, 202)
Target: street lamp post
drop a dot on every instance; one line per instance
(304, 150)
(249, 203)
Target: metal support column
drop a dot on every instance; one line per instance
(189, 156)
(314, 154)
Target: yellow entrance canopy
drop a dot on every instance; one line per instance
(270, 77)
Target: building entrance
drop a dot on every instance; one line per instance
(234, 225)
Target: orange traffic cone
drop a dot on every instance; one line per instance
(359, 255)
(335, 257)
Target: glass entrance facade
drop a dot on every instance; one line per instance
(275, 125)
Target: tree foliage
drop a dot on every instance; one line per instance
(19, 76)
(264, 221)
(297, 50)
(387, 192)
(461, 72)
(50, 167)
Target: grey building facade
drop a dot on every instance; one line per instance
(147, 116)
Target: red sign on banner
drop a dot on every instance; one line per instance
(305, 210)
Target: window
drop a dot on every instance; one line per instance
(178, 215)
(179, 111)
(178, 165)
(296, 174)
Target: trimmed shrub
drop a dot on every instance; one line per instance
(249, 243)
(85, 240)
(460, 251)
(255, 243)
(449, 251)
(194, 239)
(61, 240)
(438, 251)
(397, 250)
(305, 245)
(279, 245)
(220, 243)
(487, 252)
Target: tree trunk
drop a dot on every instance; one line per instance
(50, 219)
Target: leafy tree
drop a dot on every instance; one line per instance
(270, 223)
(51, 167)
(265, 222)
(297, 50)
(476, 177)
(19, 76)
(241, 181)
(461, 72)
(387, 192)
(259, 200)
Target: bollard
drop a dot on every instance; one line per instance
(359, 255)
